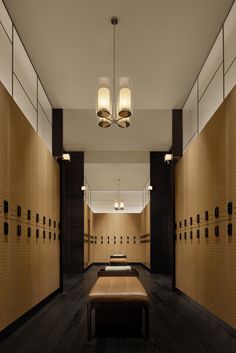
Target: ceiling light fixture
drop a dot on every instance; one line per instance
(110, 111)
(119, 205)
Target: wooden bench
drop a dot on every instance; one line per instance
(118, 295)
(119, 271)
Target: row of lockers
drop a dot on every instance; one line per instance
(206, 232)
(216, 214)
(114, 239)
(22, 214)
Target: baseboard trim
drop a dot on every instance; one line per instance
(204, 311)
(22, 319)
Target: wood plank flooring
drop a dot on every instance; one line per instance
(176, 324)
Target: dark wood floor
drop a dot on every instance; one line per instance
(176, 324)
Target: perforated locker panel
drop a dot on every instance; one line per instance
(116, 233)
(205, 184)
(30, 188)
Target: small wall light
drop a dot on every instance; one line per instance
(168, 157)
(83, 188)
(66, 157)
(150, 188)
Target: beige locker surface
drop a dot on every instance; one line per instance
(29, 178)
(206, 180)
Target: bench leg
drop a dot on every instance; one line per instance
(89, 324)
(146, 321)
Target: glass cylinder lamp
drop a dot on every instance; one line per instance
(104, 103)
(116, 205)
(124, 102)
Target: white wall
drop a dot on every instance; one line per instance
(214, 82)
(21, 80)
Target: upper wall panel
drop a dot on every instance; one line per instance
(211, 65)
(5, 60)
(5, 20)
(190, 116)
(230, 38)
(23, 69)
(44, 102)
(211, 99)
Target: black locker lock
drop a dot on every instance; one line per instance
(198, 218)
(217, 231)
(198, 233)
(6, 228)
(44, 220)
(37, 233)
(191, 221)
(134, 242)
(185, 235)
(185, 222)
(101, 242)
(18, 230)
(180, 236)
(121, 241)
(5, 206)
(18, 211)
(127, 242)
(55, 236)
(108, 242)
(44, 234)
(206, 232)
(230, 208)
(29, 215)
(206, 216)
(230, 229)
(191, 234)
(50, 222)
(180, 225)
(29, 232)
(37, 217)
(55, 224)
(217, 212)
(50, 235)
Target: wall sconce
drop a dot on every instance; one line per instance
(66, 157)
(83, 188)
(150, 188)
(169, 157)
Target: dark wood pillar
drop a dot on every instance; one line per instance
(163, 202)
(74, 214)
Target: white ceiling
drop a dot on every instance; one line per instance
(102, 171)
(150, 131)
(161, 46)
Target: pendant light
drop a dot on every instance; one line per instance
(118, 204)
(110, 111)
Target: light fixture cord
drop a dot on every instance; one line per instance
(114, 72)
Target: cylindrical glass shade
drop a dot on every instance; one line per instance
(124, 99)
(116, 205)
(104, 103)
(122, 205)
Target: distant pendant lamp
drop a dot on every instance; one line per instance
(118, 204)
(109, 110)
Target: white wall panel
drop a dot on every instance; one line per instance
(44, 128)
(24, 70)
(44, 102)
(230, 37)
(212, 64)
(230, 78)
(24, 103)
(5, 60)
(190, 111)
(211, 99)
(5, 20)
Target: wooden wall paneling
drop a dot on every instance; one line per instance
(29, 266)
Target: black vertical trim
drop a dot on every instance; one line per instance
(177, 133)
(57, 132)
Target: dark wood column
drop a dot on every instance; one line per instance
(160, 213)
(163, 202)
(74, 214)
